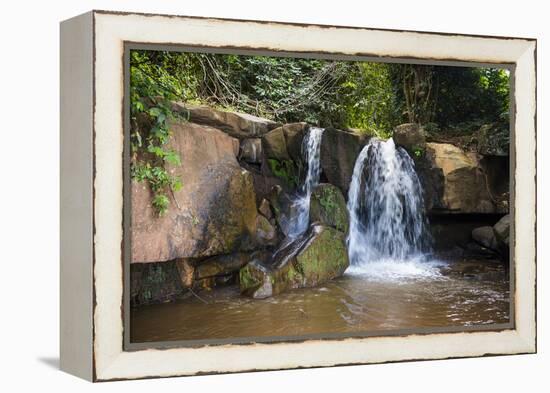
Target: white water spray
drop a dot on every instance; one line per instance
(388, 233)
(311, 150)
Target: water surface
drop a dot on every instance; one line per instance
(379, 299)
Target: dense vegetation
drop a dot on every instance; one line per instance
(366, 96)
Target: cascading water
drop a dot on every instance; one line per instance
(298, 221)
(388, 233)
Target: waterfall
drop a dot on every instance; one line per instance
(298, 221)
(386, 207)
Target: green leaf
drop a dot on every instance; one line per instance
(172, 157)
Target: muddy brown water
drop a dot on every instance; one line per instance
(464, 293)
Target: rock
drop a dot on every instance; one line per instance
(265, 209)
(328, 206)
(186, 270)
(320, 255)
(214, 212)
(266, 234)
(274, 145)
(294, 137)
(493, 139)
(155, 283)
(497, 173)
(238, 125)
(282, 149)
(339, 150)
(283, 208)
(450, 230)
(285, 142)
(264, 183)
(410, 136)
(485, 236)
(465, 188)
(433, 182)
(502, 230)
(287, 172)
(251, 150)
(279, 202)
(221, 265)
(205, 283)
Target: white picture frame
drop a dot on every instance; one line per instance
(92, 190)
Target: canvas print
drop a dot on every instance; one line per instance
(277, 198)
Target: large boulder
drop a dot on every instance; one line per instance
(214, 212)
(328, 207)
(465, 188)
(320, 255)
(339, 150)
(238, 125)
(410, 136)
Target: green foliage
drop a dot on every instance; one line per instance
(152, 88)
(418, 151)
(161, 203)
(328, 199)
(371, 98)
(368, 99)
(285, 170)
(461, 98)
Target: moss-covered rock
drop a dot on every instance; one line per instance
(323, 258)
(266, 234)
(320, 255)
(285, 170)
(328, 206)
(282, 150)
